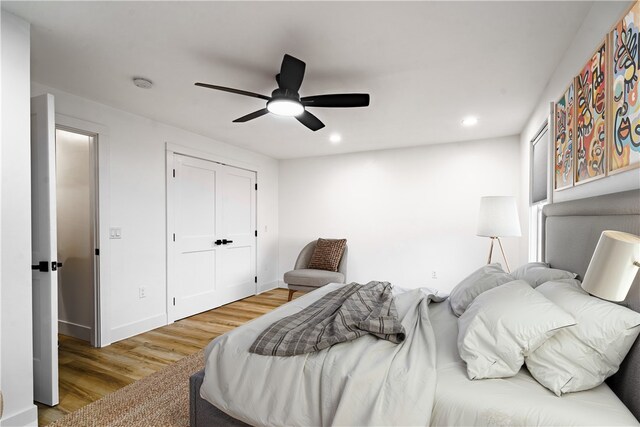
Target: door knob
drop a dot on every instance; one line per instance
(218, 242)
(225, 241)
(41, 266)
(55, 265)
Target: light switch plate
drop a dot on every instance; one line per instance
(115, 233)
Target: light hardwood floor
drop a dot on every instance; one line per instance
(88, 373)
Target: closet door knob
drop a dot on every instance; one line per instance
(218, 242)
(225, 241)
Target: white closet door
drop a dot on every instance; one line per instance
(214, 250)
(238, 226)
(196, 228)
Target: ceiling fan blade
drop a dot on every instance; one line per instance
(291, 73)
(236, 91)
(344, 100)
(310, 121)
(251, 116)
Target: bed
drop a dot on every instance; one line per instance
(571, 231)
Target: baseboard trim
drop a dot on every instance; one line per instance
(75, 330)
(268, 286)
(135, 328)
(26, 417)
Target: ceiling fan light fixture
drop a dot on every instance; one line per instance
(285, 107)
(285, 99)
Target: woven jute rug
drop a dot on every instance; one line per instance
(161, 399)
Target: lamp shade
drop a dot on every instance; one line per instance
(498, 217)
(612, 270)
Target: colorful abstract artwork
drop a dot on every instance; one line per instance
(624, 152)
(590, 117)
(564, 134)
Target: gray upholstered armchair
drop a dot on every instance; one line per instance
(306, 279)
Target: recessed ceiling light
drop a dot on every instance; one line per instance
(143, 83)
(335, 138)
(469, 121)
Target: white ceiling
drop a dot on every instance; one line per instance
(425, 64)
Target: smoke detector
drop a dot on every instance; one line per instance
(142, 82)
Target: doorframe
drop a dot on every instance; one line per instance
(101, 335)
(170, 150)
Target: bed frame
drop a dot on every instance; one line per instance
(571, 231)
(203, 413)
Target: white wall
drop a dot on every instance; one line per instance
(138, 206)
(15, 226)
(73, 197)
(599, 21)
(405, 212)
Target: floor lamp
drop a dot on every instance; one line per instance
(498, 217)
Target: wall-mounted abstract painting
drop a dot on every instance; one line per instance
(564, 135)
(624, 145)
(591, 133)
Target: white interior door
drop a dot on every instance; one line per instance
(213, 250)
(197, 257)
(238, 227)
(44, 250)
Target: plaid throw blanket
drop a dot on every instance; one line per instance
(342, 315)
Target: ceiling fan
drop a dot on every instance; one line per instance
(285, 100)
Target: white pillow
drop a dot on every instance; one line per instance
(503, 325)
(537, 273)
(486, 277)
(581, 357)
(519, 272)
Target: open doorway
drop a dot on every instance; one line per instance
(76, 196)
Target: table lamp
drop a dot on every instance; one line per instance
(498, 217)
(613, 266)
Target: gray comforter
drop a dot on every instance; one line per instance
(342, 315)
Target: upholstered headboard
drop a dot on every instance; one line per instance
(571, 232)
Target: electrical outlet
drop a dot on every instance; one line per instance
(142, 292)
(434, 275)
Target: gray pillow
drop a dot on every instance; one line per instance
(486, 277)
(582, 356)
(505, 324)
(519, 272)
(537, 273)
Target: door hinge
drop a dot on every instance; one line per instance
(174, 237)
(97, 251)
(256, 185)
(174, 301)
(174, 173)
(256, 233)
(255, 279)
